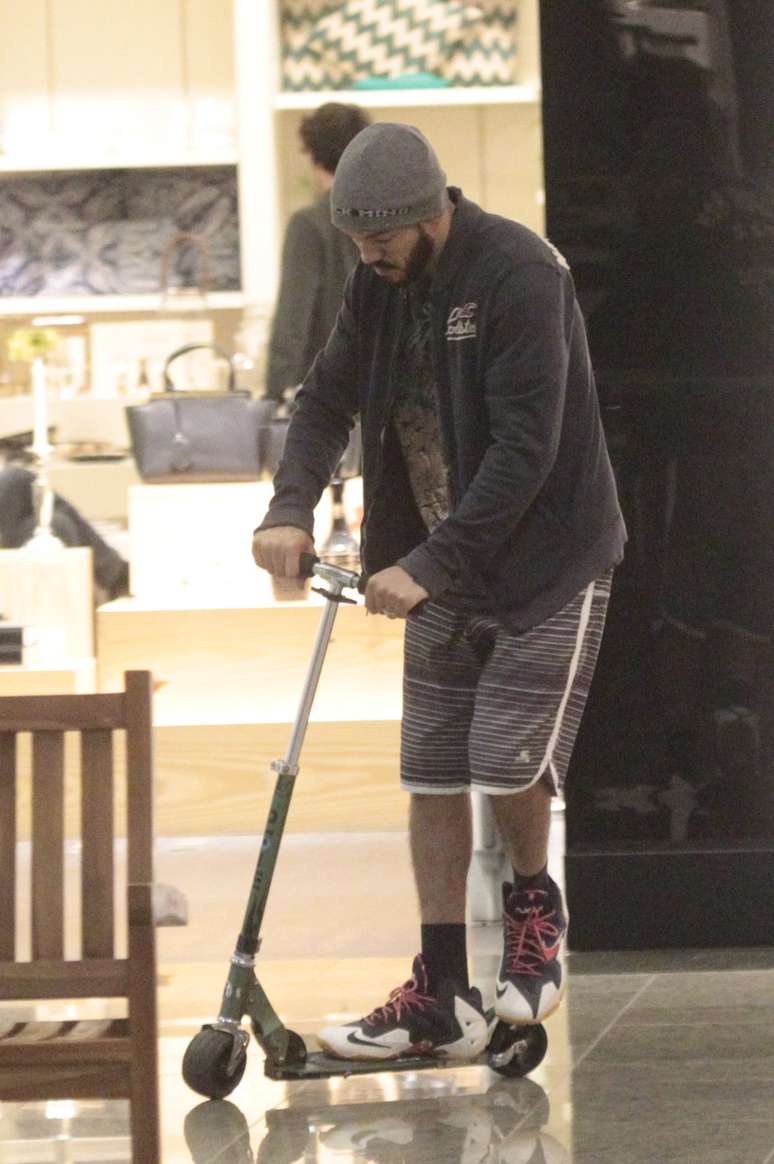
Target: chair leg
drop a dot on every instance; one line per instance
(144, 1120)
(143, 1021)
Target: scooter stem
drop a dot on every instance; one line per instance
(243, 994)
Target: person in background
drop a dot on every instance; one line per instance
(316, 258)
(17, 525)
(492, 526)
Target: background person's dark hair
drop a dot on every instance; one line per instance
(327, 132)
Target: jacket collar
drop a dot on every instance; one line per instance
(460, 240)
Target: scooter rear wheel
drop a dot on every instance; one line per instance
(515, 1051)
(212, 1064)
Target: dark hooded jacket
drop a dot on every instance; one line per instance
(534, 510)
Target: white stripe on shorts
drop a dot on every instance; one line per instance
(583, 622)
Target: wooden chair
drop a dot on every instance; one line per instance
(115, 1058)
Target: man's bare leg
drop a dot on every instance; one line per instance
(523, 822)
(441, 844)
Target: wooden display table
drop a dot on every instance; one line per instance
(246, 663)
(66, 677)
(230, 678)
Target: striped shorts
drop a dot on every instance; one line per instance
(495, 710)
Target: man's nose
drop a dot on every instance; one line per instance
(371, 252)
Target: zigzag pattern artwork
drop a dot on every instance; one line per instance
(389, 38)
(488, 54)
(298, 20)
(330, 45)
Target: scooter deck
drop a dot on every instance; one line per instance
(515, 1050)
(318, 1065)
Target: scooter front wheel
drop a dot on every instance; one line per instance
(515, 1051)
(209, 1126)
(214, 1062)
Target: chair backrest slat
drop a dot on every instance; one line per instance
(7, 846)
(35, 713)
(139, 769)
(97, 871)
(48, 844)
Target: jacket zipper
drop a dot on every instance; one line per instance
(378, 473)
(443, 396)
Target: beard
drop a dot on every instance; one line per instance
(419, 257)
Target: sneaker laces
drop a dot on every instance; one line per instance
(532, 937)
(402, 999)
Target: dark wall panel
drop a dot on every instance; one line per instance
(659, 158)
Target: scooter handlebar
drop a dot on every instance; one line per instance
(310, 566)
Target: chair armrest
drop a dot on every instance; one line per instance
(170, 906)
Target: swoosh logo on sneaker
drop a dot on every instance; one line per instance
(358, 1042)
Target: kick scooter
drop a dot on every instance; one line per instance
(215, 1059)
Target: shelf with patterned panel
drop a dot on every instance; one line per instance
(414, 98)
(74, 160)
(23, 305)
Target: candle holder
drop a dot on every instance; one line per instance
(43, 539)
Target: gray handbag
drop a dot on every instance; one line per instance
(197, 435)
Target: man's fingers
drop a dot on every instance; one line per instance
(278, 551)
(291, 565)
(380, 600)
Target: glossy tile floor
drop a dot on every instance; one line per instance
(654, 1058)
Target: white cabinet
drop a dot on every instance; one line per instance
(114, 84)
(176, 82)
(109, 85)
(25, 115)
(489, 140)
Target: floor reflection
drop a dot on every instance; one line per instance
(504, 1125)
(655, 1055)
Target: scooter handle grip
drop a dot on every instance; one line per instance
(306, 564)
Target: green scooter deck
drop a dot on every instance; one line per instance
(521, 1053)
(321, 1066)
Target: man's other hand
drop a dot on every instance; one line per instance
(393, 592)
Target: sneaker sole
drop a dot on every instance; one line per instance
(407, 1053)
(533, 1022)
(375, 1058)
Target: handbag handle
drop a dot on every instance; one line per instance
(170, 387)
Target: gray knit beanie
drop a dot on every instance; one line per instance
(388, 176)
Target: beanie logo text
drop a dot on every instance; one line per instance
(461, 324)
(351, 212)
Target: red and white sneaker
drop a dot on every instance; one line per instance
(530, 983)
(414, 1022)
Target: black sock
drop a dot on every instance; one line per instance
(533, 881)
(444, 950)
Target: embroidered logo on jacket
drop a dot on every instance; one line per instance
(461, 324)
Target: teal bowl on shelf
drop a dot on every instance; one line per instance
(406, 81)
